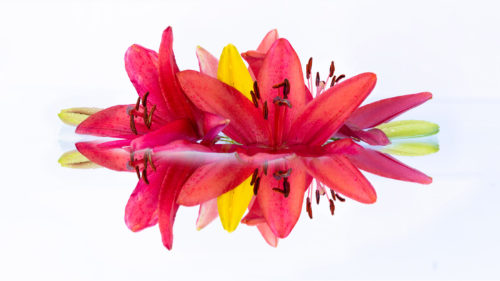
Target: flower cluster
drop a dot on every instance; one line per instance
(247, 142)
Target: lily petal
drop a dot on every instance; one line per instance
(282, 63)
(207, 213)
(247, 123)
(324, 115)
(282, 212)
(268, 234)
(114, 122)
(212, 180)
(384, 165)
(254, 215)
(268, 41)
(339, 174)
(254, 60)
(175, 130)
(382, 111)
(207, 62)
(141, 65)
(233, 71)
(233, 204)
(111, 158)
(177, 103)
(371, 137)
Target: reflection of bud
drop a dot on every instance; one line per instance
(74, 159)
(76, 115)
(409, 129)
(411, 148)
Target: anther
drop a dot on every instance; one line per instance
(332, 207)
(286, 187)
(149, 121)
(138, 103)
(342, 76)
(308, 68)
(254, 176)
(265, 167)
(309, 208)
(317, 196)
(145, 176)
(341, 199)
(282, 174)
(256, 90)
(279, 101)
(266, 112)
(317, 79)
(138, 172)
(286, 89)
(333, 194)
(145, 99)
(254, 99)
(333, 81)
(145, 117)
(150, 159)
(332, 69)
(256, 186)
(132, 123)
(132, 158)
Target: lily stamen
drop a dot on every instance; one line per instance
(256, 90)
(256, 186)
(254, 99)
(254, 176)
(309, 208)
(265, 110)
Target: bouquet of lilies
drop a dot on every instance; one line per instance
(247, 142)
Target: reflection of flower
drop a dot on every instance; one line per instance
(280, 138)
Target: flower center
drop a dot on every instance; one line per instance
(141, 112)
(142, 164)
(321, 85)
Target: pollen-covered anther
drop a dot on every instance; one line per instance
(332, 69)
(145, 99)
(308, 68)
(309, 208)
(332, 207)
(265, 111)
(318, 79)
(254, 176)
(148, 158)
(132, 122)
(317, 196)
(254, 99)
(256, 90)
(256, 186)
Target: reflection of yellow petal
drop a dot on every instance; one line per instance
(411, 148)
(74, 159)
(233, 204)
(233, 71)
(75, 116)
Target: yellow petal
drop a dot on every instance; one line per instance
(411, 148)
(75, 116)
(233, 71)
(409, 129)
(233, 204)
(74, 159)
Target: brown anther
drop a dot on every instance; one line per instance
(256, 90)
(308, 68)
(342, 76)
(149, 121)
(279, 101)
(279, 190)
(332, 69)
(332, 207)
(256, 186)
(254, 176)
(317, 196)
(132, 123)
(254, 99)
(333, 81)
(145, 176)
(276, 86)
(286, 187)
(317, 79)
(286, 89)
(266, 111)
(138, 172)
(265, 167)
(309, 208)
(341, 199)
(138, 103)
(132, 158)
(145, 99)
(149, 156)
(145, 116)
(333, 194)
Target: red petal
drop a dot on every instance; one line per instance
(247, 124)
(254, 60)
(111, 158)
(324, 115)
(384, 110)
(282, 212)
(212, 180)
(268, 41)
(371, 137)
(384, 165)
(114, 122)
(142, 69)
(339, 174)
(207, 213)
(175, 130)
(212, 126)
(282, 62)
(142, 206)
(268, 234)
(254, 215)
(208, 63)
(177, 103)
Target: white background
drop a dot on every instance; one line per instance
(62, 224)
